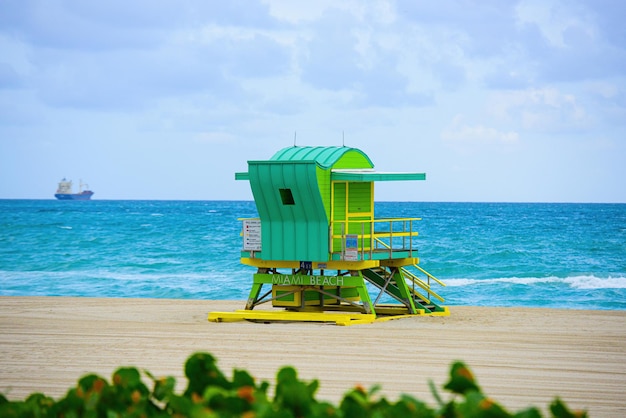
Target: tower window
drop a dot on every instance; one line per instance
(286, 196)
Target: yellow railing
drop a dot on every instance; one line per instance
(368, 237)
(424, 285)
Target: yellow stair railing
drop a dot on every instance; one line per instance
(426, 286)
(419, 282)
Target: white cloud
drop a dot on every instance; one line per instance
(606, 89)
(554, 19)
(297, 12)
(303, 12)
(545, 110)
(462, 134)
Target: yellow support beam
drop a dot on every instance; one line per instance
(337, 318)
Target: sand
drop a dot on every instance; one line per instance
(520, 356)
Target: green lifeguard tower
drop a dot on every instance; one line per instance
(320, 253)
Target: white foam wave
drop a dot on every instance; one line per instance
(513, 280)
(592, 282)
(576, 282)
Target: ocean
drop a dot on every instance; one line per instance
(570, 256)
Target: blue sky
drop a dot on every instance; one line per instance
(521, 101)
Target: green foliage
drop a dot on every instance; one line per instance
(210, 394)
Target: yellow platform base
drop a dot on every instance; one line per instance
(270, 316)
(343, 318)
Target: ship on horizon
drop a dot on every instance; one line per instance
(64, 191)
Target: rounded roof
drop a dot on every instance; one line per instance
(325, 157)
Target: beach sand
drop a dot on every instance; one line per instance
(520, 356)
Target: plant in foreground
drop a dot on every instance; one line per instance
(210, 394)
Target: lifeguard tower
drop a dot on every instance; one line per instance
(320, 253)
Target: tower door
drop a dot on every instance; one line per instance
(352, 211)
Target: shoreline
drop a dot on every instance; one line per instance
(520, 356)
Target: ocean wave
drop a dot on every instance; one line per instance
(92, 283)
(592, 282)
(13, 277)
(575, 282)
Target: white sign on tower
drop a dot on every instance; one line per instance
(252, 235)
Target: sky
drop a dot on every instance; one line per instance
(495, 100)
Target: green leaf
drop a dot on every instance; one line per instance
(528, 413)
(202, 371)
(242, 378)
(180, 405)
(478, 405)
(127, 377)
(324, 410)
(461, 379)
(214, 394)
(312, 387)
(435, 393)
(292, 394)
(374, 390)
(354, 405)
(560, 410)
(408, 406)
(163, 388)
(91, 382)
(286, 374)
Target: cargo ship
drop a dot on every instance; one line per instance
(64, 191)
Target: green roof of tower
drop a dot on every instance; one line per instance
(325, 157)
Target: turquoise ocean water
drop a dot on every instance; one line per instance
(488, 254)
